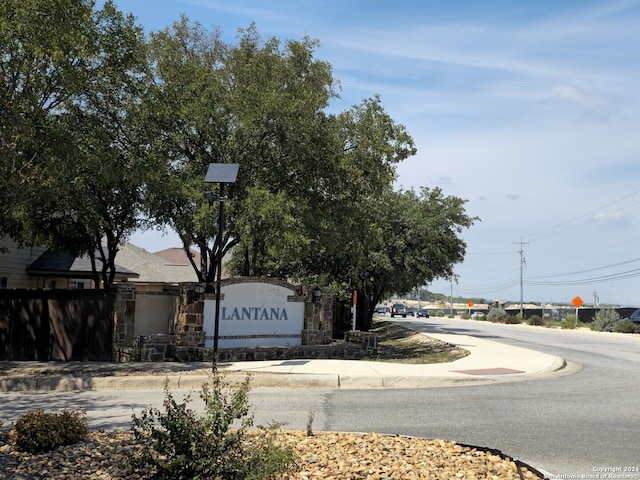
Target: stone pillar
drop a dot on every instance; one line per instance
(124, 315)
(123, 319)
(318, 318)
(189, 330)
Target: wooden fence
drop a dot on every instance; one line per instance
(63, 325)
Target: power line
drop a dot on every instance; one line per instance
(586, 271)
(540, 280)
(486, 289)
(537, 235)
(585, 281)
(591, 252)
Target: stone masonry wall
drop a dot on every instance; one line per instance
(189, 323)
(318, 319)
(124, 318)
(188, 341)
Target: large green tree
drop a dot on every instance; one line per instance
(314, 199)
(258, 104)
(393, 242)
(416, 239)
(72, 141)
(43, 48)
(102, 130)
(107, 175)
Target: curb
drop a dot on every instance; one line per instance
(195, 379)
(158, 382)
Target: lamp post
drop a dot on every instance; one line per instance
(221, 173)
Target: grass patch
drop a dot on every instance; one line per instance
(559, 324)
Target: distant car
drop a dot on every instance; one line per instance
(477, 315)
(634, 317)
(398, 309)
(382, 310)
(423, 312)
(410, 311)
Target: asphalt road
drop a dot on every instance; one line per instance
(579, 424)
(573, 424)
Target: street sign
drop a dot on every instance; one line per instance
(577, 302)
(469, 304)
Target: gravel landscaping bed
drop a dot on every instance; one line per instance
(323, 455)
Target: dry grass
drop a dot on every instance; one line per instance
(402, 345)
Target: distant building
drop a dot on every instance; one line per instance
(41, 267)
(157, 270)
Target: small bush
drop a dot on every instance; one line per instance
(625, 326)
(180, 444)
(536, 320)
(497, 315)
(465, 316)
(570, 322)
(513, 319)
(40, 432)
(605, 320)
(440, 313)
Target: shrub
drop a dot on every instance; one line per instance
(39, 431)
(465, 316)
(536, 320)
(180, 444)
(570, 322)
(605, 320)
(513, 319)
(497, 314)
(440, 313)
(625, 326)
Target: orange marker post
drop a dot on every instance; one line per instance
(577, 302)
(353, 310)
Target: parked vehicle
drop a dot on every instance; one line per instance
(478, 315)
(398, 309)
(634, 317)
(423, 312)
(382, 310)
(410, 311)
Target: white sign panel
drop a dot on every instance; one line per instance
(255, 314)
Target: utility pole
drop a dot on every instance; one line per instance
(522, 264)
(451, 294)
(596, 300)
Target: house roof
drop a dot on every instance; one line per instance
(177, 256)
(153, 268)
(59, 264)
(133, 263)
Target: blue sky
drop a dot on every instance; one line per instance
(529, 110)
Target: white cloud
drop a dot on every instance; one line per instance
(618, 218)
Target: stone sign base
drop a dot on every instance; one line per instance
(162, 348)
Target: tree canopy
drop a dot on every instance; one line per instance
(107, 131)
(74, 174)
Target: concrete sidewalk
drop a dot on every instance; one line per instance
(488, 362)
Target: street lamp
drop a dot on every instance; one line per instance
(316, 294)
(221, 173)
